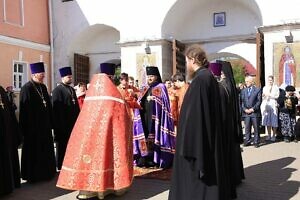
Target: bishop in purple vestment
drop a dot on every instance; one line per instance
(154, 137)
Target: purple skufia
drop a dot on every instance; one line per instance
(215, 68)
(37, 67)
(65, 71)
(107, 68)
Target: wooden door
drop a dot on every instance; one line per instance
(178, 57)
(260, 63)
(81, 69)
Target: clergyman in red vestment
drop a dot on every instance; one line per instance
(99, 156)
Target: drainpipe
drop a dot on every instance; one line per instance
(51, 45)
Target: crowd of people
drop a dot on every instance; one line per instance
(271, 108)
(94, 134)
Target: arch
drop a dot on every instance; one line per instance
(223, 55)
(117, 62)
(235, 59)
(99, 42)
(245, 51)
(82, 41)
(184, 18)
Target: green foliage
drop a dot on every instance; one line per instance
(238, 72)
(117, 76)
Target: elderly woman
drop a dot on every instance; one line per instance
(269, 109)
(287, 113)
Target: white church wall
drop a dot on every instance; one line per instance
(136, 19)
(101, 48)
(68, 19)
(199, 26)
(141, 20)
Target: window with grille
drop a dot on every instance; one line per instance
(19, 75)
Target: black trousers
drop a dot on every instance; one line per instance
(249, 122)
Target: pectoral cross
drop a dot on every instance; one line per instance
(45, 103)
(2, 105)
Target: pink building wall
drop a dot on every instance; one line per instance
(36, 20)
(24, 27)
(12, 54)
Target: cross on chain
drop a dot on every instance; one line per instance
(2, 105)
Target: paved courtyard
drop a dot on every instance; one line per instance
(272, 173)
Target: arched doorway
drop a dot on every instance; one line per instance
(194, 23)
(95, 44)
(241, 67)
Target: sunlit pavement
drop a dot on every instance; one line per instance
(272, 173)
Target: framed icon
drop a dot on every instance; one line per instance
(219, 19)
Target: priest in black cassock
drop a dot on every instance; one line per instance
(65, 112)
(230, 124)
(199, 167)
(9, 160)
(38, 158)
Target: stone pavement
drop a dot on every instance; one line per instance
(272, 173)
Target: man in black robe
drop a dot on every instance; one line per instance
(13, 107)
(65, 112)
(38, 158)
(9, 160)
(199, 168)
(236, 127)
(232, 133)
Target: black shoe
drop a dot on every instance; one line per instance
(256, 145)
(149, 164)
(246, 144)
(287, 139)
(141, 162)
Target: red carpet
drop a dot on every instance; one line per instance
(151, 173)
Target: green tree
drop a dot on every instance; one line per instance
(117, 75)
(238, 72)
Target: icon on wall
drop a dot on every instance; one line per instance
(219, 19)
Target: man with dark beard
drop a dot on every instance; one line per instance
(153, 133)
(199, 169)
(9, 160)
(38, 159)
(65, 112)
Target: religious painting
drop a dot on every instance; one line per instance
(219, 19)
(143, 60)
(286, 58)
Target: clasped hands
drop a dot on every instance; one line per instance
(249, 111)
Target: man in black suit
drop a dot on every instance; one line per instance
(251, 100)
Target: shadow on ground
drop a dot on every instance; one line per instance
(141, 189)
(38, 191)
(264, 181)
(269, 181)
